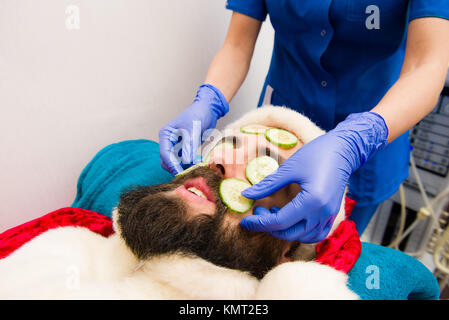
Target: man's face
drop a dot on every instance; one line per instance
(232, 163)
(169, 218)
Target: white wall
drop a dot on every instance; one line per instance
(64, 94)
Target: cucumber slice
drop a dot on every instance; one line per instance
(253, 129)
(260, 167)
(281, 138)
(189, 169)
(230, 193)
(224, 145)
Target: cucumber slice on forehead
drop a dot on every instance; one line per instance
(253, 129)
(189, 169)
(230, 194)
(282, 138)
(258, 168)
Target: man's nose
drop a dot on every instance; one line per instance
(229, 170)
(218, 168)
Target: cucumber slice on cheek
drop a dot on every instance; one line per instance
(230, 194)
(258, 168)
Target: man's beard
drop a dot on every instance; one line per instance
(152, 223)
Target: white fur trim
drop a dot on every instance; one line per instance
(304, 281)
(196, 278)
(280, 117)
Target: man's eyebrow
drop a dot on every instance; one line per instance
(234, 139)
(269, 151)
(274, 154)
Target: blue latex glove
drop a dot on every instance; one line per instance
(322, 168)
(208, 106)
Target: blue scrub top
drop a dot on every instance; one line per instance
(336, 57)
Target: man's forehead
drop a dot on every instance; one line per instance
(252, 143)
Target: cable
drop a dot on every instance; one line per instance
(424, 212)
(421, 186)
(395, 243)
(441, 252)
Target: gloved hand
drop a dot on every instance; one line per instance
(322, 168)
(208, 106)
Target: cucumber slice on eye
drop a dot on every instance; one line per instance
(230, 194)
(224, 145)
(253, 129)
(189, 169)
(282, 138)
(258, 168)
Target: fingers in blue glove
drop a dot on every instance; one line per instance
(167, 149)
(208, 106)
(268, 185)
(291, 234)
(260, 211)
(276, 221)
(274, 209)
(264, 211)
(318, 234)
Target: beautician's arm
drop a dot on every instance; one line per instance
(225, 76)
(422, 77)
(230, 65)
(323, 166)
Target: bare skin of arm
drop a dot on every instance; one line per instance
(230, 65)
(422, 77)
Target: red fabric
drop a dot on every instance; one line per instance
(340, 250)
(13, 238)
(349, 205)
(343, 247)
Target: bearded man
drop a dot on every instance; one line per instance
(178, 240)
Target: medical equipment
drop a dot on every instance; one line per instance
(416, 219)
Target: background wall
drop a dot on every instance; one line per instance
(65, 93)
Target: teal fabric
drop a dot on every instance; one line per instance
(115, 168)
(386, 274)
(136, 162)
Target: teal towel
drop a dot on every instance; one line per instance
(383, 273)
(115, 168)
(379, 274)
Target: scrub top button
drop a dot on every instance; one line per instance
(324, 84)
(323, 32)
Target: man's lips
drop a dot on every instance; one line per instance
(199, 183)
